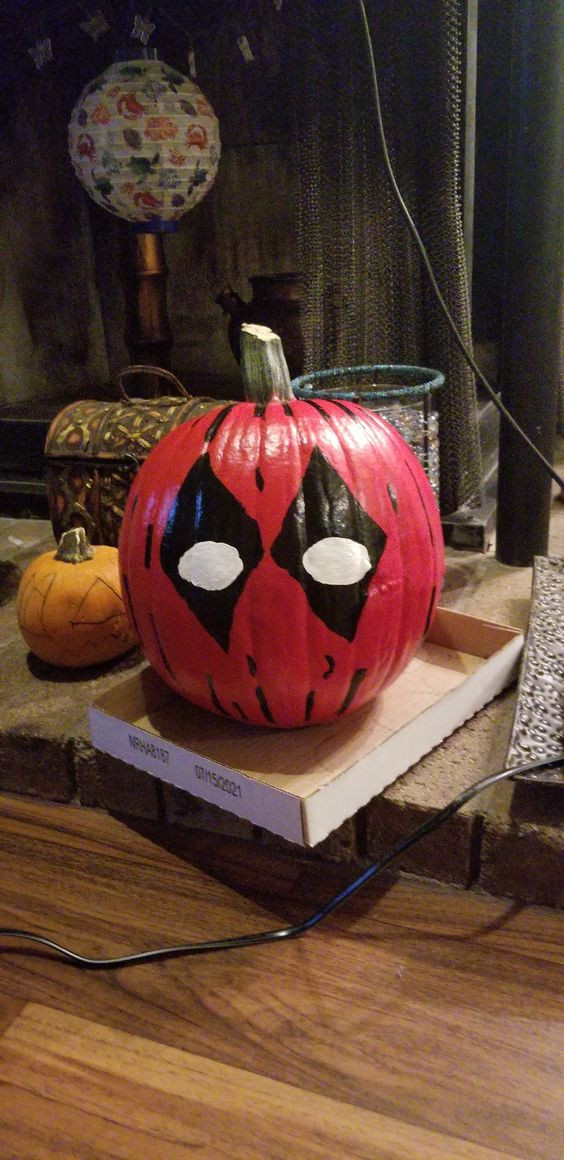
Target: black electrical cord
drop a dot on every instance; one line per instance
(427, 262)
(268, 936)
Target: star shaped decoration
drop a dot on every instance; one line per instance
(142, 29)
(96, 25)
(41, 52)
(245, 49)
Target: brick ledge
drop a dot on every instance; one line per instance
(504, 842)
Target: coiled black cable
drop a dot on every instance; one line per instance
(236, 942)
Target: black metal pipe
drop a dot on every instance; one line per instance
(530, 344)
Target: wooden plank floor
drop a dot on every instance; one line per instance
(416, 1023)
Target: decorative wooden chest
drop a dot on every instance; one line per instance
(94, 449)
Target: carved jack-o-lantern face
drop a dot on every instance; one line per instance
(281, 562)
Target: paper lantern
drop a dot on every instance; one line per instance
(144, 143)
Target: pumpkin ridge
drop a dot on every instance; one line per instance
(25, 593)
(309, 704)
(162, 653)
(148, 545)
(354, 685)
(392, 665)
(130, 604)
(416, 482)
(97, 580)
(264, 706)
(95, 643)
(86, 623)
(214, 697)
(39, 635)
(45, 596)
(320, 411)
(430, 610)
(364, 421)
(216, 423)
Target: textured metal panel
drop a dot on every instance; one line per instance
(538, 726)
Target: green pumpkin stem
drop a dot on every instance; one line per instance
(263, 363)
(74, 547)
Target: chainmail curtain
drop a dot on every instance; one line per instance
(367, 299)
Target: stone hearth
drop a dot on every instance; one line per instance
(507, 841)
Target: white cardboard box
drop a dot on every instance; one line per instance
(303, 783)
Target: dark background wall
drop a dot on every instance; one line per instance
(61, 301)
(492, 137)
(61, 298)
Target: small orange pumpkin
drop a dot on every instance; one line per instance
(69, 605)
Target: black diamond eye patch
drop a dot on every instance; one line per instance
(327, 543)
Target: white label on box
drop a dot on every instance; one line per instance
(228, 788)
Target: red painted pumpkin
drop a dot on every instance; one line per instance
(283, 560)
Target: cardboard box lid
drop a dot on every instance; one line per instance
(303, 783)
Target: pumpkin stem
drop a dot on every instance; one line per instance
(265, 370)
(74, 547)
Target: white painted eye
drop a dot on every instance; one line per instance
(337, 560)
(210, 565)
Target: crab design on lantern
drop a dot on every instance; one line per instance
(146, 198)
(196, 135)
(129, 106)
(85, 146)
(281, 559)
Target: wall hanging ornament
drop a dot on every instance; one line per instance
(281, 559)
(144, 143)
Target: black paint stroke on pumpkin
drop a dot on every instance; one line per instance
(331, 666)
(219, 419)
(204, 510)
(288, 410)
(240, 711)
(423, 504)
(162, 653)
(259, 479)
(198, 418)
(325, 506)
(252, 666)
(346, 408)
(215, 699)
(356, 680)
(264, 706)
(393, 497)
(429, 610)
(148, 545)
(320, 411)
(127, 591)
(309, 704)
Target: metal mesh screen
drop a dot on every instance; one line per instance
(367, 299)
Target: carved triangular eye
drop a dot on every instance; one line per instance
(331, 546)
(209, 548)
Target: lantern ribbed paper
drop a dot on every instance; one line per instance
(144, 142)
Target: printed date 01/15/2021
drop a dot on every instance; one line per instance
(218, 780)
